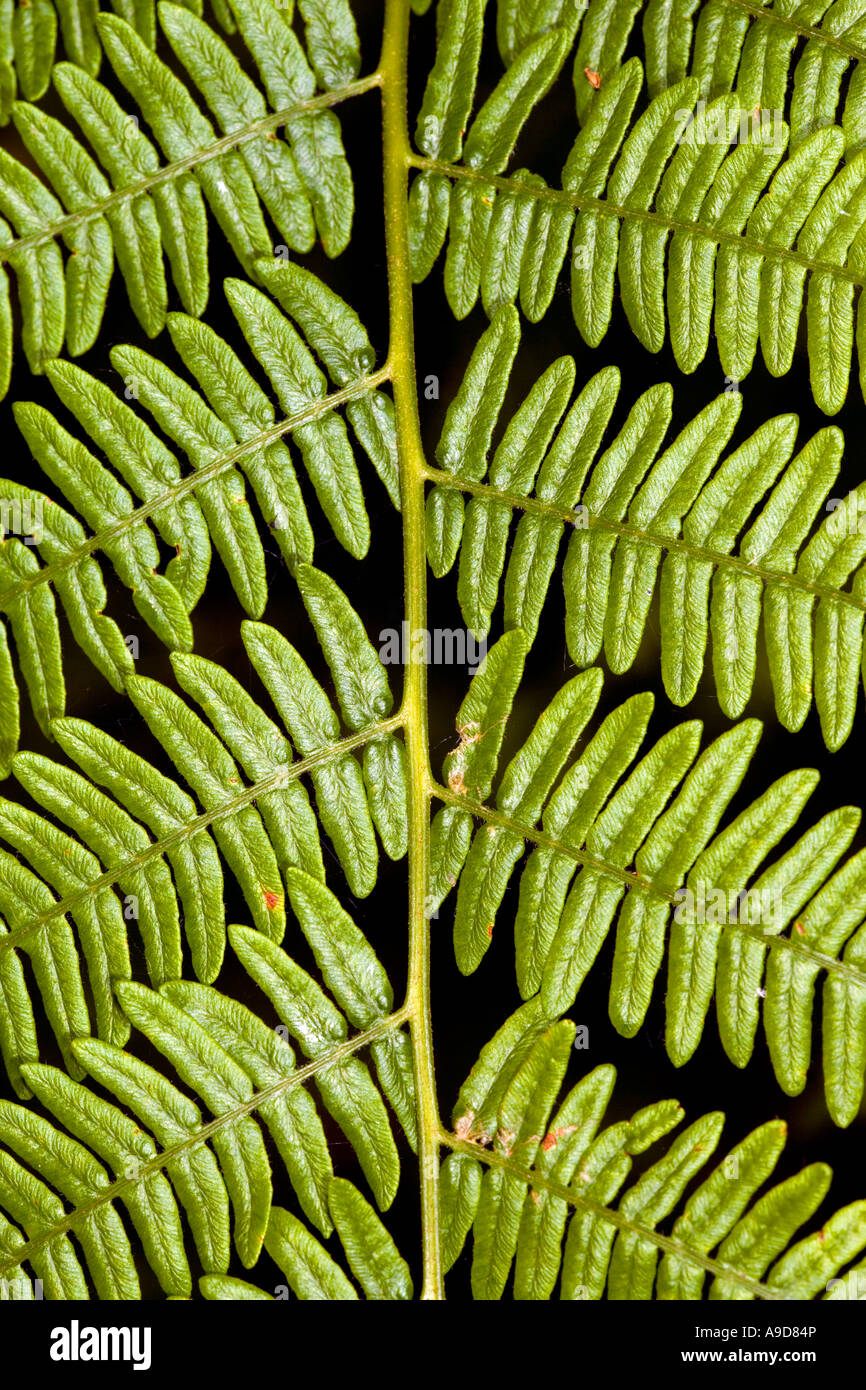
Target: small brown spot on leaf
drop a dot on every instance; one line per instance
(593, 78)
(272, 900)
(463, 1126)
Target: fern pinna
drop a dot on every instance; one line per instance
(216, 1080)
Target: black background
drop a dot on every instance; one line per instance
(466, 1012)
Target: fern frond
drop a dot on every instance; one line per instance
(263, 827)
(139, 208)
(229, 424)
(746, 47)
(643, 840)
(159, 1153)
(750, 49)
(638, 513)
(554, 1176)
(551, 1174)
(692, 232)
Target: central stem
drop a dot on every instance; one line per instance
(397, 154)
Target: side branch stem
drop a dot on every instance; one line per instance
(197, 825)
(666, 1244)
(190, 481)
(719, 558)
(636, 882)
(507, 183)
(169, 172)
(222, 1123)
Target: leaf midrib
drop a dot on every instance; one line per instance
(634, 880)
(190, 481)
(169, 172)
(225, 1121)
(197, 825)
(719, 558)
(804, 31)
(580, 202)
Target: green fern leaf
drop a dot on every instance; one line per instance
(346, 1087)
(174, 1110)
(311, 1272)
(618, 1249)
